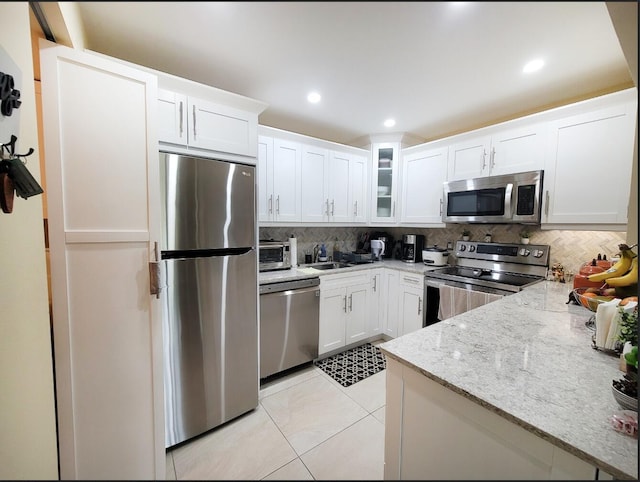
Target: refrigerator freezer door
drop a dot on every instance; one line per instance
(210, 343)
(206, 204)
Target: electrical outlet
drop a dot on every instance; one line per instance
(449, 244)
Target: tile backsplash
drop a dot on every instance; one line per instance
(571, 248)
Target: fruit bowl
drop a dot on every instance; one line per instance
(624, 400)
(590, 299)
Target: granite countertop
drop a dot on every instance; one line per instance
(307, 271)
(528, 357)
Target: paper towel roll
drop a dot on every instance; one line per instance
(604, 315)
(293, 250)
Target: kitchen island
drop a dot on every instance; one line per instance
(512, 389)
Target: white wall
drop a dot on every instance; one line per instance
(27, 413)
(624, 16)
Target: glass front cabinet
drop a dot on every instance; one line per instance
(384, 186)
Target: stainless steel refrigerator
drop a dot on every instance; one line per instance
(210, 316)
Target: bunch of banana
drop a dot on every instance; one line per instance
(620, 270)
(631, 277)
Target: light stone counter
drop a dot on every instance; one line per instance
(307, 271)
(528, 357)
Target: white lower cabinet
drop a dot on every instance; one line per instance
(446, 429)
(375, 303)
(390, 302)
(402, 305)
(344, 309)
(410, 303)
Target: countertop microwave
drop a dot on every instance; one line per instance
(510, 198)
(274, 255)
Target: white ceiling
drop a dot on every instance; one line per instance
(438, 68)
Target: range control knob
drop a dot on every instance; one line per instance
(524, 252)
(472, 248)
(538, 253)
(462, 247)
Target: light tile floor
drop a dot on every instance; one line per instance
(306, 427)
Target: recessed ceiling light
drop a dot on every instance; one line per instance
(533, 66)
(314, 97)
(389, 123)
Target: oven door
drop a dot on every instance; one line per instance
(446, 299)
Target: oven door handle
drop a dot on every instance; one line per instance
(433, 284)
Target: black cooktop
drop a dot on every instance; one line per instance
(484, 277)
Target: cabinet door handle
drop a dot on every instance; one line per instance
(332, 206)
(326, 210)
(440, 206)
(411, 280)
(419, 305)
(492, 161)
(351, 302)
(546, 203)
(154, 278)
(344, 304)
(278, 204)
(484, 159)
(271, 204)
(181, 114)
(356, 209)
(194, 122)
(375, 283)
(393, 211)
(155, 286)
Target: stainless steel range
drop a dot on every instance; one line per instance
(496, 268)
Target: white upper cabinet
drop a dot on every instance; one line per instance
(424, 170)
(323, 182)
(384, 182)
(265, 178)
(358, 187)
(172, 117)
(338, 187)
(589, 163)
(333, 186)
(200, 124)
(279, 175)
(314, 179)
(496, 151)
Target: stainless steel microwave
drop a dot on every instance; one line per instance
(273, 255)
(510, 198)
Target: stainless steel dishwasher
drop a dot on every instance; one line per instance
(289, 324)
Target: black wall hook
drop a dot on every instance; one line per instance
(10, 147)
(22, 181)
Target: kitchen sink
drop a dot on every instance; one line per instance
(332, 266)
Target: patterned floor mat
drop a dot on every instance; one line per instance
(353, 365)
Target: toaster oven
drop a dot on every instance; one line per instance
(274, 255)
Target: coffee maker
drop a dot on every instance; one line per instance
(412, 245)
